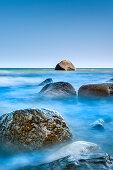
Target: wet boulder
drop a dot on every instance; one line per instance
(78, 155)
(47, 81)
(33, 128)
(65, 65)
(105, 89)
(98, 124)
(58, 89)
(74, 148)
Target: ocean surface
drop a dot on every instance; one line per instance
(19, 90)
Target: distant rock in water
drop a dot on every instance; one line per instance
(103, 90)
(33, 128)
(65, 65)
(58, 89)
(98, 124)
(47, 81)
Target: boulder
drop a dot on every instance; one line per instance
(47, 81)
(58, 89)
(105, 89)
(98, 161)
(74, 148)
(33, 128)
(78, 155)
(65, 65)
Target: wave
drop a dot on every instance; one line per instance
(15, 81)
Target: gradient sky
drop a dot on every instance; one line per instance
(40, 33)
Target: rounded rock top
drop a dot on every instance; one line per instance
(103, 90)
(58, 89)
(65, 65)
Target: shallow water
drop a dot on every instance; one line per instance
(19, 90)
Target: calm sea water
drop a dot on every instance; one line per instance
(19, 90)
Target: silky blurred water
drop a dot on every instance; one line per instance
(19, 90)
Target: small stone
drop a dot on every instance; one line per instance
(98, 124)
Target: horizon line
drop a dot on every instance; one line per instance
(54, 68)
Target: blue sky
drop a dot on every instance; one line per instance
(40, 33)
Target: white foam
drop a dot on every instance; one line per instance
(74, 148)
(12, 81)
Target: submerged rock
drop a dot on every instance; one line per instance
(33, 128)
(47, 81)
(105, 89)
(58, 89)
(111, 79)
(98, 124)
(78, 155)
(65, 65)
(99, 161)
(75, 148)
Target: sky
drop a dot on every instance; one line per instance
(40, 33)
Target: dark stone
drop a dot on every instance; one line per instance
(58, 89)
(89, 157)
(65, 65)
(47, 81)
(33, 128)
(111, 80)
(105, 89)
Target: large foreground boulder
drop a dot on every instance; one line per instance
(105, 89)
(65, 65)
(33, 128)
(58, 89)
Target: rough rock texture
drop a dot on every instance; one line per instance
(78, 155)
(84, 162)
(58, 89)
(74, 148)
(105, 89)
(47, 81)
(33, 128)
(65, 65)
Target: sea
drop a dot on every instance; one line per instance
(19, 90)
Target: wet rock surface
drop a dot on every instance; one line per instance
(78, 155)
(45, 82)
(85, 162)
(103, 90)
(58, 89)
(98, 124)
(65, 65)
(33, 128)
